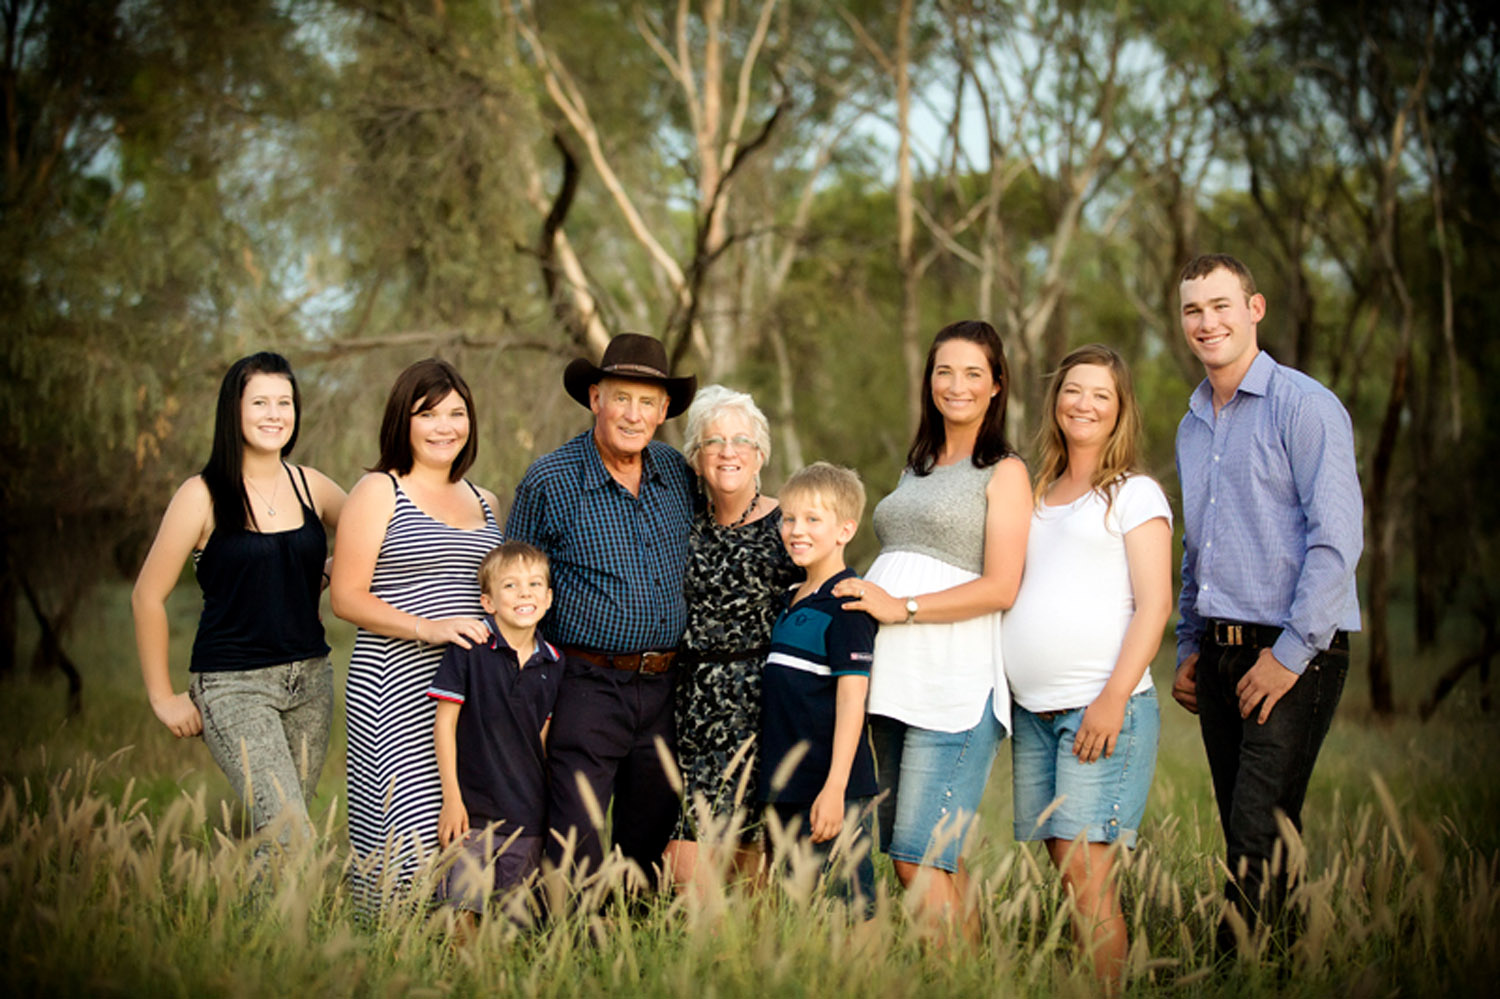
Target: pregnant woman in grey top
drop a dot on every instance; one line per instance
(953, 538)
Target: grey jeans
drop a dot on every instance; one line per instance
(268, 731)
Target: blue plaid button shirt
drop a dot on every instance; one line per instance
(617, 560)
(1272, 512)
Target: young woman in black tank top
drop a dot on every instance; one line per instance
(262, 689)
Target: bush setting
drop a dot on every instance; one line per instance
(785, 199)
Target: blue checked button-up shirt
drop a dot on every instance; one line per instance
(617, 560)
(1272, 512)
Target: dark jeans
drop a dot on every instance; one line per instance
(604, 729)
(854, 886)
(1259, 770)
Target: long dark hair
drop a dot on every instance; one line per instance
(991, 444)
(224, 472)
(425, 383)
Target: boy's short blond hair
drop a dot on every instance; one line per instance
(507, 554)
(834, 486)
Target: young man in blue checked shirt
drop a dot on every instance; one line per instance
(1273, 519)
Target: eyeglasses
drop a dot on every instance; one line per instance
(739, 441)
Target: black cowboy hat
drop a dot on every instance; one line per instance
(636, 358)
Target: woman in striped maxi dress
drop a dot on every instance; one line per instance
(411, 539)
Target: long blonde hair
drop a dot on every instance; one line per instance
(1118, 457)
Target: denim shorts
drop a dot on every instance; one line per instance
(1104, 800)
(931, 784)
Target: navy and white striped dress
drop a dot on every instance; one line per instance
(427, 568)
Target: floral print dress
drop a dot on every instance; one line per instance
(735, 580)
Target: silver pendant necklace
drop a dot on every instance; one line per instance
(270, 510)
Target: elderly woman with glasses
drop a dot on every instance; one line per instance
(737, 570)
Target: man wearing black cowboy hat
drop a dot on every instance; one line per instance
(611, 508)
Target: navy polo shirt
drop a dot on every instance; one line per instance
(813, 643)
(501, 761)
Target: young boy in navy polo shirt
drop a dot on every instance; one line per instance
(816, 679)
(494, 703)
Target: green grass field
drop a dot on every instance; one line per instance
(123, 872)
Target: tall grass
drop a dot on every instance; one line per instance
(104, 895)
(128, 871)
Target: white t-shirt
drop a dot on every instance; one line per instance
(1062, 637)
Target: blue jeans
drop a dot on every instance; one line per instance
(1259, 770)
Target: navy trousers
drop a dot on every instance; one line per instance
(604, 730)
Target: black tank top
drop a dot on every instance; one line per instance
(260, 594)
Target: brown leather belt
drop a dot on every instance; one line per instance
(630, 662)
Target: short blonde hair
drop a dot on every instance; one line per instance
(712, 402)
(507, 554)
(836, 487)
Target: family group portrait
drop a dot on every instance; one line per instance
(553, 498)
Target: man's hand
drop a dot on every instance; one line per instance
(1265, 684)
(1185, 684)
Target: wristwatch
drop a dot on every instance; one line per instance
(911, 609)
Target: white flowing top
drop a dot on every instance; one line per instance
(936, 676)
(1063, 634)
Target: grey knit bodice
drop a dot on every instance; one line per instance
(940, 514)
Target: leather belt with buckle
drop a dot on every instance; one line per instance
(630, 662)
(1229, 634)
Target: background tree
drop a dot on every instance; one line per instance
(1335, 107)
(792, 195)
(133, 259)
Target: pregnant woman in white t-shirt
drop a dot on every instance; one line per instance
(1078, 642)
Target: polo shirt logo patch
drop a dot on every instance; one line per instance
(805, 630)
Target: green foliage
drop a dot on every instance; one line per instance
(360, 184)
(129, 244)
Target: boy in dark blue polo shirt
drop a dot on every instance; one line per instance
(817, 772)
(494, 703)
